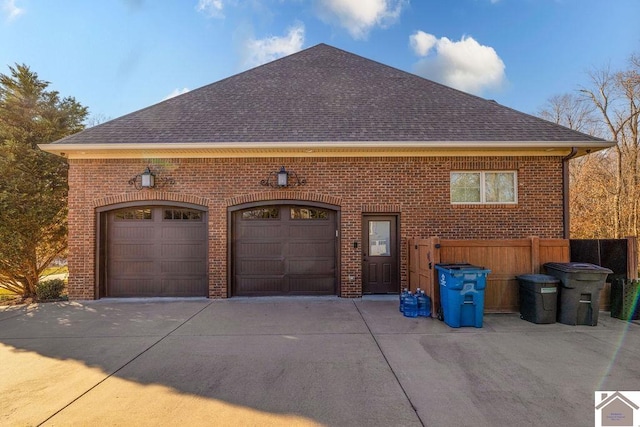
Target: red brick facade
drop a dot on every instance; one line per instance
(415, 188)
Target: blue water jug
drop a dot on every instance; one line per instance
(424, 305)
(403, 295)
(410, 305)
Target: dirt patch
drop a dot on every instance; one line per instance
(15, 300)
(18, 300)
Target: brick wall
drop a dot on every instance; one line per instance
(415, 188)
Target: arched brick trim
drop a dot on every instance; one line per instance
(150, 196)
(283, 195)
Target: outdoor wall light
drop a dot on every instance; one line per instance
(147, 179)
(283, 178)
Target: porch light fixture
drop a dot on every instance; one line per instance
(147, 179)
(283, 178)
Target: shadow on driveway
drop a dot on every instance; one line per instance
(300, 361)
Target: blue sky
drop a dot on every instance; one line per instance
(118, 56)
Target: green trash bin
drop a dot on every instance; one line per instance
(625, 299)
(579, 296)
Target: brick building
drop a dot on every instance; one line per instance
(304, 176)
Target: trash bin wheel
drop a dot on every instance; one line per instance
(440, 314)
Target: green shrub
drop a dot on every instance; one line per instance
(50, 289)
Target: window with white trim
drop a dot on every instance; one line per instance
(490, 187)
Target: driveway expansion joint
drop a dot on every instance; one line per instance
(162, 338)
(404, 391)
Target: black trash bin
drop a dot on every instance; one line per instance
(579, 296)
(538, 297)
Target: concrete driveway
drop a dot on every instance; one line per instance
(300, 361)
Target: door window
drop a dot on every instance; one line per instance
(379, 238)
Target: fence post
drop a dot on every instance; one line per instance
(410, 266)
(535, 254)
(632, 257)
(434, 288)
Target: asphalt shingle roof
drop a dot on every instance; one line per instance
(324, 94)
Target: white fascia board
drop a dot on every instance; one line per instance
(322, 149)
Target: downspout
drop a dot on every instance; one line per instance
(565, 190)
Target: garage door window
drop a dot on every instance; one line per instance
(309, 213)
(261, 213)
(182, 215)
(133, 214)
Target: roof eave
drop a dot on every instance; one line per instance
(322, 149)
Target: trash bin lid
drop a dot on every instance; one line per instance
(538, 278)
(577, 267)
(455, 265)
(461, 268)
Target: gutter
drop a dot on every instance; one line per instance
(565, 191)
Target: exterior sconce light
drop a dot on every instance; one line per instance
(283, 178)
(147, 179)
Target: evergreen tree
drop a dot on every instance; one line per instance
(33, 184)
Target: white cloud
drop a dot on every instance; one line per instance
(261, 51)
(358, 17)
(11, 10)
(422, 42)
(211, 8)
(466, 64)
(176, 92)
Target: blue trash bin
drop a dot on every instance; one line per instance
(462, 293)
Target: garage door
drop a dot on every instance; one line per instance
(284, 250)
(156, 251)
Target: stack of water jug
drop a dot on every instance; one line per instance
(414, 305)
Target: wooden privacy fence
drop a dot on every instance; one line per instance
(506, 259)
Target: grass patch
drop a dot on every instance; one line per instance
(7, 294)
(55, 270)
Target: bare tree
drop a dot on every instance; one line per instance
(589, 176)
(605, 186)
(571, 111)
(616, 97)
(591, 181)
(96, 119)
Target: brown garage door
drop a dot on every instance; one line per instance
(284, 250)
(156, 251)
